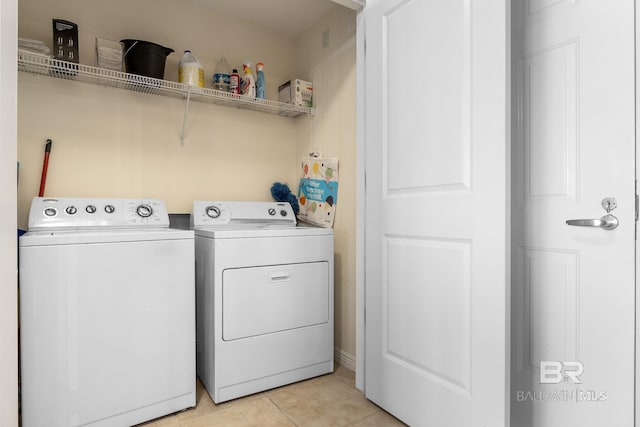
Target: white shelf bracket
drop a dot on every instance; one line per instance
(184, 119)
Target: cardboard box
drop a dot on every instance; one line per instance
(296, 92)
(65, 41)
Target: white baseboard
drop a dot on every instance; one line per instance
(345, 359)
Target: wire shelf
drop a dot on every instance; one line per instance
(35, 63)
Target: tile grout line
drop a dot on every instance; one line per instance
(266, 394)
(281, 411)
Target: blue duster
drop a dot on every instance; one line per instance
(282, 193)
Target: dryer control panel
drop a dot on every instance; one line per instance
(48, 213)
(213, 213)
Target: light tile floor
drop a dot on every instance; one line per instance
(329, 400)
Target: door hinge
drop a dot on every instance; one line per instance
(365, 187)
(636, 191)
(637, 204)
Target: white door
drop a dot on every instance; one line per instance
(574, 293)
(436, 210)
(8, 207)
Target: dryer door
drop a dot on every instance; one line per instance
(269, 299)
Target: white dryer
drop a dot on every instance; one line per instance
(107, 313)
(264, 297)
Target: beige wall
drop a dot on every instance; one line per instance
(113, 143)
(333, 131)
(172, 23)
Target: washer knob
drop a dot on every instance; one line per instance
(109, 209)
(283, 212)
(90, 209)
(213, 211)
(272, 211)
(145, 211)
(50, 211)
(71, 210)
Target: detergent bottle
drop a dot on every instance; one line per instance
(247, 82)
(190, 71)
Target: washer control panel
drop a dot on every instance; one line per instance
(213, 213)
(49, 213)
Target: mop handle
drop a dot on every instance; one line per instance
(45, 165)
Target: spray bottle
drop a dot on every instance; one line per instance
(247, 82)
(260, 81)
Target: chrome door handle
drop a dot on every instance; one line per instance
(607, 222)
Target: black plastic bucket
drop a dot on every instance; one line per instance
(145, 58)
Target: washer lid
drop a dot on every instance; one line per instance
(76, 237)
(247, 231)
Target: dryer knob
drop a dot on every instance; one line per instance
(109, 209)
(90, 209)
(213, 211)
(50, 211)
(272, 211)
(145, 211)
(283, 212)
(71, 210)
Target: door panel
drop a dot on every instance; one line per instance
(550, 107)
(432, 288)
(547, 306)
(436, 234)
(574, 145)
(438, 94)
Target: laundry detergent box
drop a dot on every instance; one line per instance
(296, 92)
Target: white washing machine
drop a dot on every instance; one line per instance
(107, 313)
(264, 297)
